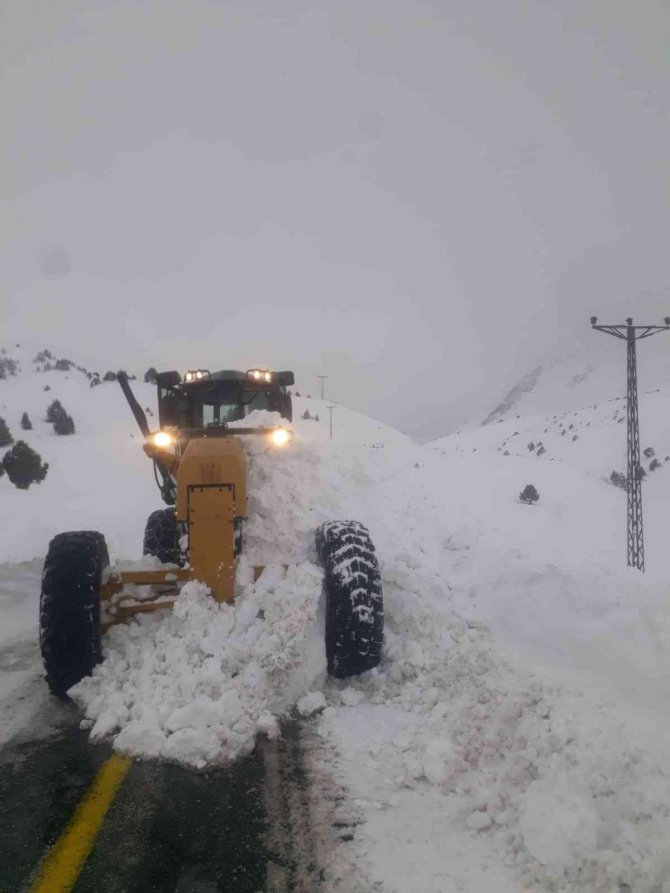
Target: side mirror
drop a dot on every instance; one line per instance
(286, 379)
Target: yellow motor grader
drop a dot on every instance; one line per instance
(200, 465)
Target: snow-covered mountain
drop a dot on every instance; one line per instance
(583, 377)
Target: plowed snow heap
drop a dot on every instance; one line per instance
(200, 467)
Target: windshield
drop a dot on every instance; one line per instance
(199, 409)
(219, 413)
(216, 404)
(258, 400)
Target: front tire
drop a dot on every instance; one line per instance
(354, 601)
(161, 537)
(70, 608)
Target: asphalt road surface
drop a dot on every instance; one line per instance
(161, 828)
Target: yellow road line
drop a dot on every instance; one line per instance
(64, 861)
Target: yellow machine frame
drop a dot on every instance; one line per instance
(211, 481)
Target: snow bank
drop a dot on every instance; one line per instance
(260, 418)
(553, 775)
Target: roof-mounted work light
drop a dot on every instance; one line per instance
(196, 375)
(260, 374)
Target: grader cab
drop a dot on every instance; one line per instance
(200, 464)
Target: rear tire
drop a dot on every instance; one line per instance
(161, 537)
(354, 601)
(70, 608)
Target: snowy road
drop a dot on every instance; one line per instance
(247, 827)
(167, 829)
(269, 821)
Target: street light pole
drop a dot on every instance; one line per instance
(631, 334)
(323, 381)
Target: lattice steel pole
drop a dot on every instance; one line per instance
(331, 407)
(635, 551)
(631, 333)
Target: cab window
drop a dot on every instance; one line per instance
(259, 400)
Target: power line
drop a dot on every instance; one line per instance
(631, 334)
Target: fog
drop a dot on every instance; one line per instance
(419, 200)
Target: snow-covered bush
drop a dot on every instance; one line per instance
(109, 376)
(64, 424)
(306, 414)
(5, 436)
(529, 494)
(150, 375)
(26, 424)
(619, 480)
(54, 410)
(654, 464)
(649, 452)
(24, 466)
(8, 367)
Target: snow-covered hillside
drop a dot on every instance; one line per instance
(580, 378)
(569, 456)
(515, 735)
(99, 478)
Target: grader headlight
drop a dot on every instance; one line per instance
(280, 437)
(162, 439)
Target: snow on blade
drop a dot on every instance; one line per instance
(195, 686)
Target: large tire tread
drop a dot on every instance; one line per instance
(161, 537)
(70, 608)
(354, 600)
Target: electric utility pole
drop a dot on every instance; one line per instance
(323, 381)
(630, 334)
(331, 407)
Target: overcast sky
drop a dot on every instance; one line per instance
(419, 199)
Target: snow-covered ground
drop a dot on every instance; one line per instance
(515, 736)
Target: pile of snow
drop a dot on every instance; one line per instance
(259, 418)
(197, 685)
